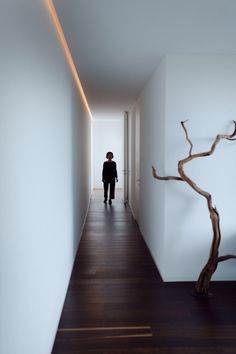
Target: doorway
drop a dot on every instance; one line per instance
(121, 135)
(108, 135)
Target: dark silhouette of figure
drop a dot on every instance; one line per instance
(109, 177)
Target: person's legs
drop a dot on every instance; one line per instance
(112, 190)
(105, 185)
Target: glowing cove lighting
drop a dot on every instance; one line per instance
(55, 20)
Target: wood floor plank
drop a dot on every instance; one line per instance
(117, 303)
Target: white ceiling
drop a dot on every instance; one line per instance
(117, 44)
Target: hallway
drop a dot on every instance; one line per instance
(117, 303)
(73, 75)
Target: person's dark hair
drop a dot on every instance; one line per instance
(109, 152)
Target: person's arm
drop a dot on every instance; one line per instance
(103, 172)
(116, 176)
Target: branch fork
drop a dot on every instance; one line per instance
(202, 284)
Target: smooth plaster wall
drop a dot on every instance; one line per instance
(131, 189)
(44, 180)
(151, 105)
(108, 135)
(173, 218)
(134, 160)
(203, 90)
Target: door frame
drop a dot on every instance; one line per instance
(126, 158)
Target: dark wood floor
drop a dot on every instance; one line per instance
(117, 302)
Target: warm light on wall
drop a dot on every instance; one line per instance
(52, 11)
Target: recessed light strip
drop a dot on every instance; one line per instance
(89, 329)
(52, 11)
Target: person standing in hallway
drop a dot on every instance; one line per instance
(109, 177)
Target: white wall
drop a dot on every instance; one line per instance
(44, 179)
(134, 160)
(174, 219)
(152, 149)
(108, 135)
(202, 89)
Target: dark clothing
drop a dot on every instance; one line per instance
(109, 175)
(109, 172)
(112, 190)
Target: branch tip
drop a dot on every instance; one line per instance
(187, 137)
(234, 132)
(225, 258)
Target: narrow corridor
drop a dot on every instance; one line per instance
(117, 303)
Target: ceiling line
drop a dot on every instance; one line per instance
(61, 36)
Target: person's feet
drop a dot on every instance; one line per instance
(105, 201)
(110, 202)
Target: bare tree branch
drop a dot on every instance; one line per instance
(225, 258)
(213, 146)
(202, 154)
(216, 141)
(187, 137)
(234, 132)
(202, 285)
(166, 178)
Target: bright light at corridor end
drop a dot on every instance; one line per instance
(52, 11)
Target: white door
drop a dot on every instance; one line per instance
(137, 161)
(126, 157)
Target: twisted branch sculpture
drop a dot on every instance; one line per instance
(202, 284)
